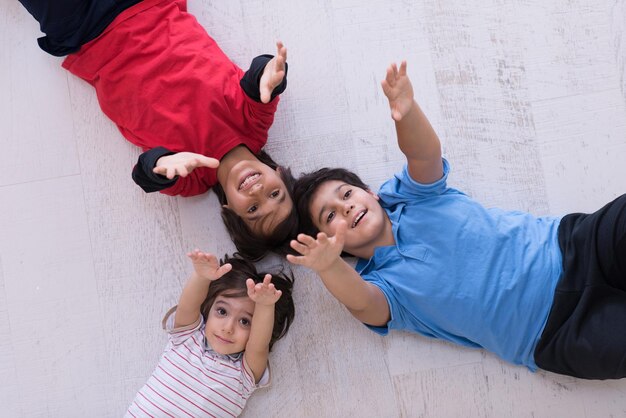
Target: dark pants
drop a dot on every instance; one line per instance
(68, 24)
(585, 335)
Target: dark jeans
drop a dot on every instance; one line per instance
(68, 24)
(585, 335)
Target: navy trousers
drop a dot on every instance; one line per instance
(585, 335)
(68, 24)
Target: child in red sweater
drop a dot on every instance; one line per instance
(170, 89)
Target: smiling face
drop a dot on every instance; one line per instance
(368, 224)
(257, 194)
(228, 324)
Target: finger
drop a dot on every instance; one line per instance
(267, 279)
(299, 247)
(322, 238)
(224, 269)
(306, 239)
(340, 234)
(389, 78)
(209, 162)
(298, 260)
(171, 172)
(209, 256)
(281, 50)
(396, 115)
(182, 171)
(159, 170)
(250, 286)
(403, 68)
(279, 293)
(394, 67)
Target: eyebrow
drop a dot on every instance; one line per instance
(228, 305)
(323, 209)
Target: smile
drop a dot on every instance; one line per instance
(249, 180)
(224, 340)
(358, 218)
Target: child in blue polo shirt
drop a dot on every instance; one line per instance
(547, 292)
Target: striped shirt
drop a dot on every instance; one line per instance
(191, 380)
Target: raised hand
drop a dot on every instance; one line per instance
(321, 253)
(263, 293)
(273, 73)
(183, 163)
(206, 265)
(399, 91)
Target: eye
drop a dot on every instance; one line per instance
(252, 208)
(347, 194)
(221, 311)
(330, 217)
(245, 322)
(275, 194)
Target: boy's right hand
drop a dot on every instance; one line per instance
(319, 254)
(182, 163)
(399, 91)
(206, 265)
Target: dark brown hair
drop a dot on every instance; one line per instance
(233, 285)
(306, 186)
(250, 245)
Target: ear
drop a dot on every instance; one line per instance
(373, 194)
(225, 206)
(279, 170)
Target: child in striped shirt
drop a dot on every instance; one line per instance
(220, 335)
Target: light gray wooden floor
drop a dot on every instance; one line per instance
(529, 98)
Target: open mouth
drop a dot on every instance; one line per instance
(358, 218)
(249, 180)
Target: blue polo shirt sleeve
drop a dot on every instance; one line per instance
(402, 188)
(377, 281)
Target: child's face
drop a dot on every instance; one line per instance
(336, 200)
(257, 194)
(228, 324)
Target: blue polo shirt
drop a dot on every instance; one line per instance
(467, 274)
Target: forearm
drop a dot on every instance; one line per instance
(419, 142)
(347, 286)
(190, 301)
(416, 137)
(257, 347)
(261, 328)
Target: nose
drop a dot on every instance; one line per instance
(228, 326)
(347, 207)
(256, 189)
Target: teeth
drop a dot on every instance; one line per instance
(358, 218)
(248, 180)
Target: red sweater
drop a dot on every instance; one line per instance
(164, 81)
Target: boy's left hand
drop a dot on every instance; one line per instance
(263, 293)
(273, 73)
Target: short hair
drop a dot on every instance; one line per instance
(306, 186)
(249, 244)
(233, 285)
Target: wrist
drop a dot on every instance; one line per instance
(200, 279)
